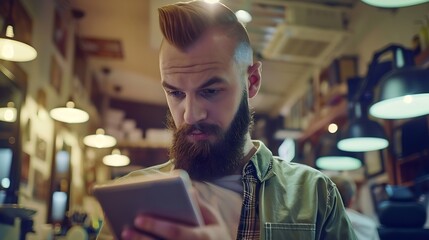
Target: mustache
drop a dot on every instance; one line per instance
(202, 127)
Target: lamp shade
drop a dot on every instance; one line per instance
(393, 3)
(99, 140)
(362, 135)
(329, 157)
(69, 114)
(403, 93)
(10, 48)
(116, 159)
(8, 113)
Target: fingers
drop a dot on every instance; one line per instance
(146, 227)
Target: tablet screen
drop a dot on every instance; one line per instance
(163, 195)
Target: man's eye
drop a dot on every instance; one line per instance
(176, 94)
(209, 92)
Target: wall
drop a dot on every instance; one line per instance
(376, 29)
(45, 135)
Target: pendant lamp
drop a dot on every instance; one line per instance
(393, 3)
(8, 113)
(69, 114)
(404, 91)
(329, 157)
(99, 140)
(361, 134)
(116, 159)
(10, 48)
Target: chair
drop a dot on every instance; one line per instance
(401, 216)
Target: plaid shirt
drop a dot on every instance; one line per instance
(249, 220)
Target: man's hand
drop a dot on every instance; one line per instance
(149, 227)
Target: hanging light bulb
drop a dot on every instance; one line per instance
(8, 113)
(393, 3)
(69, 114)
(99, 140)
(10, 48)
(116, 159)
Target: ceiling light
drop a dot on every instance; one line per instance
(332, 128)
(404, 91)
(338, 163)
(363, 135)
(69, 114)
(393, 3)
(10, 48)
(243, 16)
(8, 113)
(99, 140)
(329, 157)
(116, 159)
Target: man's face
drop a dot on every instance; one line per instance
(204, 90)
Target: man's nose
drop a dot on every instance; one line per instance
(194, 111)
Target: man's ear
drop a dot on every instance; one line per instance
(254, 78)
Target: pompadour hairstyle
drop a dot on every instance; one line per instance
(183, 23)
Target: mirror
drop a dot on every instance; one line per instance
(12, 93)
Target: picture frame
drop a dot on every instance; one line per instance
(41, 148)
(56, 75)
(25, 169)
(40, 191)
(60, 31)
(374, 163)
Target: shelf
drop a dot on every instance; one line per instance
(410, 167)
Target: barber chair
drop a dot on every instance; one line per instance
(401, 216)
(9, 213)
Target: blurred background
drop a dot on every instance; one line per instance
(83, 103)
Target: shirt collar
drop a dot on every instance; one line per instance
(262, 160)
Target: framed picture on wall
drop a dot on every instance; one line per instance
(60, 32)
(25, 168)
(40, 187)
(374, 164)
(56, 74)
(41, 148)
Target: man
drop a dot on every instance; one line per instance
(208, 75)
(365, 227)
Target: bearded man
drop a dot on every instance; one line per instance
(208, 75)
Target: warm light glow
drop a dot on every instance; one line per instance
(402, 107)
(243, 16)
(332, 128)
(8, 114)
(407, 99)
(69, 114)
(393, 3)
(99, 140)
(211, 1)
(13, 50)
(362, 144)
(5, 183)
(287, 150)
(338, 163)
(116, 159)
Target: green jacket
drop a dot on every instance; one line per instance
(296, 201)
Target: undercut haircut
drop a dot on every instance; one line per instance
(183, 23)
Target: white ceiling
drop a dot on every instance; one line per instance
(134, 23)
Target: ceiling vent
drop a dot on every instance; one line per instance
(309, 34)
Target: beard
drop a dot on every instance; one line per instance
(204, 160)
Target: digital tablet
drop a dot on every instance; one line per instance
(164, 195)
